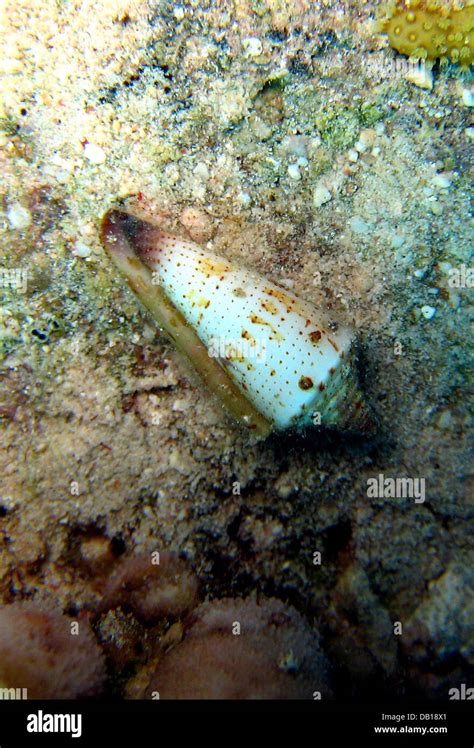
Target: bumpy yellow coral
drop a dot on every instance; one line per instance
(431, 30)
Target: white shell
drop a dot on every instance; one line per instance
(292, 361)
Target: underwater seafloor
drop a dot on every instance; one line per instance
(282, 135)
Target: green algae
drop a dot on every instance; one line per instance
(9, 125)
(370, 113)
(337, 123)
(340, 127)
(163, 152)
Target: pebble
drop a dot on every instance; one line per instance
(467, 97)
(260, 129)
(197, 223)
(244, 199)
(180, 405)
(470, 133)
(397, 241)
(444, 419)
(81, 250)
(172, 174)
(366, 139)
(94, 153)
(421, 76)
(428, 311)
(442, 181)
(201, 170)
(294, 172)
(352, 155)
(321, 195)
(444, 267)
(96, 552)
(358, 225)
(253, 47)
(60, 175)
(285, 486)
(18, 216)
(296, 145)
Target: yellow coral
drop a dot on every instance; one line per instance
(431, 30)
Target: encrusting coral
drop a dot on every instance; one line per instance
(243, 649)
(431, 30)
(168, 589)
(42, 651)
(228, 648)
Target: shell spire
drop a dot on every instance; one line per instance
(275, 360)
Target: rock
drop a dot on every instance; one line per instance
(243, 649)
(18, 216)
(321, 196)
(94, 153)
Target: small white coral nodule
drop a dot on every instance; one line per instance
(275, 360)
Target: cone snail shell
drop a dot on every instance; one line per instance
(275, 360)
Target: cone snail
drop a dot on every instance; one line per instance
(276, 361)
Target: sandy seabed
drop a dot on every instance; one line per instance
(281, 135)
